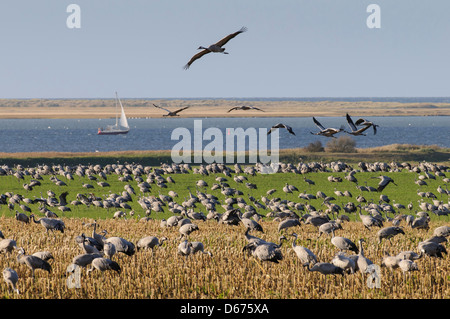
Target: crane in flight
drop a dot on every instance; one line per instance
(216, 47)
(170, 113)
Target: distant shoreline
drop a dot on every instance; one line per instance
(143, 108)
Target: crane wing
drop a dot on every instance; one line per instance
(273, 128)
(230, 36)
(184, 108)
(195, 57)
(159, 107)
(362, 129)
(318, 124)
(351, 124)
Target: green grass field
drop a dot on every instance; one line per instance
(404, 193)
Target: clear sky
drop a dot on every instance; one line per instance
(293, 48)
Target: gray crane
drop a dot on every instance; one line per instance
(328, 227)
(122, 245)
(44, 255)
(363, 262)
(103, 264)
(97, 238)
(384, 181)
(354, 130)
(185, 248)
(150, 242)
(216, 47)
(432, 249)
(388, 233)
(109, 250)
(369, 221)
(421, 223)
(187, 229)
(50, 223)
(22, 217)
(250, 223)
(7, 245)
(407, 265)
(288, 223)
(197, 246)
(442, 231)
(265, 252)
(343, 243)
(325, 268)
(305, 255)
(364, 122)
(281, 125)
(328, 132)
(345, 263)
(33, 262)
(83, 260)
(11, 278)
(87, 248)
(411, 255)
(389, 261)
(316, 220)
(251, 238)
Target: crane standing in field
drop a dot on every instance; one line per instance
(33, 262)
(104, 264)
(305, 255)
(11, 278)
(49, 223)
(150, 242)
(343, 243)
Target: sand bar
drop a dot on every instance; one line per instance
(143, 108)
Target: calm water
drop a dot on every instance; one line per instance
(80, 135)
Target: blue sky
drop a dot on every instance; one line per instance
(293, 48)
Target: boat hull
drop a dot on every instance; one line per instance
(111, 132)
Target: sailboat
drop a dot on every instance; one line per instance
(121, 126)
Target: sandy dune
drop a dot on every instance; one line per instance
(67, 108)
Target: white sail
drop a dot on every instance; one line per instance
(123, 118)
(121, 126)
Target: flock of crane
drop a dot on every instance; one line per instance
(356, 128)
(98, 250)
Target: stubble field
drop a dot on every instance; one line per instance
(229, 273)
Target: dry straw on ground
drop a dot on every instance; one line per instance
(228, 274)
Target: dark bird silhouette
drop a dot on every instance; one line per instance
(171, 113)
(281, 125)
(244, 108)
(328, 132)
(216, 47)
(355, 131)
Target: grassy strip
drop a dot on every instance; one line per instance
(388, 153)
